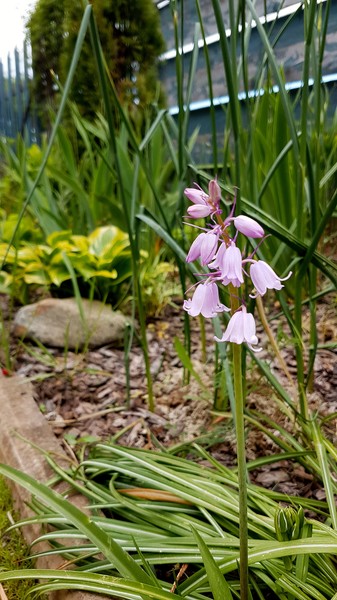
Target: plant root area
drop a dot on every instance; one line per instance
(85, 396)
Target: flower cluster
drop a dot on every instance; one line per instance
(215, 248)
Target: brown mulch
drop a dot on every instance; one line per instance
(84, 396)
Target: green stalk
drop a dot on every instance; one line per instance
(241, 457)
(309, 17)
(132, 234)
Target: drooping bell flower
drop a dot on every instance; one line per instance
(204, 247)
(264, 277)
(248, 226)
(231, 267)
(205, 301)
(241, 328)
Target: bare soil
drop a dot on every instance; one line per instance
(84, 395)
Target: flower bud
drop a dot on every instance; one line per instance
(214, 192)
(248, 227)
(196, 196)
(198, 211)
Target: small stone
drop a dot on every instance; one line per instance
(57, 322)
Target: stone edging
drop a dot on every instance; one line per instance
(20, 415)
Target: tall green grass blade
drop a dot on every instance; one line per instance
(187, 363)
(210, 90)
(218, 584)
(97, 49)
(64, 99)
(277, 75)
(76, 289)
(232, 84)
(330, 489)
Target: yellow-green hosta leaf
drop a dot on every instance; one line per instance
(9, 253)
(88, 273)
(103, 239)
(38, 277)
(26, 254)
(56, 237)
(105, 273)
(58, 274)
(81, 260)
(6, 279)
(118, 248)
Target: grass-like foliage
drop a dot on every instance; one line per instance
(152, 512)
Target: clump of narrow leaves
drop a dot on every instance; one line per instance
(155, 516)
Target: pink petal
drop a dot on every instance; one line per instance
(248, 226)
(196, 196)
(208, 248)
(195, 249)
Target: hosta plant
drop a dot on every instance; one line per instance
(98, 262)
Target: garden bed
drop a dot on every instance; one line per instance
(84, 397)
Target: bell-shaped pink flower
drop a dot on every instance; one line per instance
(248, 226)
(203, 247)
(231, 267)
(205, 301)
(241, 328)
(196, 196)
(264, 277)
(198, 211)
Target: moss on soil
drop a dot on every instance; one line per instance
(13, 549)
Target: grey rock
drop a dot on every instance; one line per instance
(57, 322)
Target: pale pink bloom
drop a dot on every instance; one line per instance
(203, 247)
(241, 328)
(231, 267)
(218, 259)
(264, 277)
(248, 226)
(205, 301)
(198, 211)
(196, 196)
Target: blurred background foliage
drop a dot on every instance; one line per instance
(132, 41)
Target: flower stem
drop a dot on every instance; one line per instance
(241, 457)
(242, 470)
